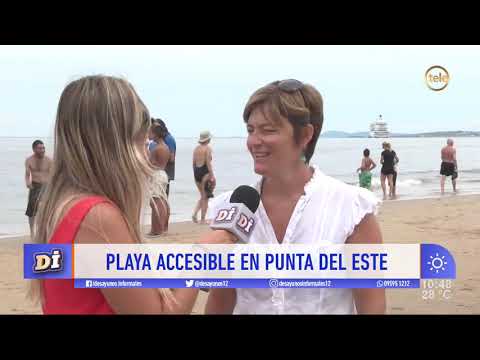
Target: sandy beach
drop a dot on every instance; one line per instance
(451, 221)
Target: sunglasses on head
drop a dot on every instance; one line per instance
(290, 86)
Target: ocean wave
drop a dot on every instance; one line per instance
(410, 182)
(437, 171)
(462, 180)
(400, 183)
(470, 171)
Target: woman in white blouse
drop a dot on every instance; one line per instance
(299, 204)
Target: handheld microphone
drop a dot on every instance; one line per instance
(238, 217)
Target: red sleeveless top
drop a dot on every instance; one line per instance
(60, 295)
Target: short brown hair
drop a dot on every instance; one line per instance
(301, 107)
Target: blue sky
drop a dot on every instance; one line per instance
(206, 87)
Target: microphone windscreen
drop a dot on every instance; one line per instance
(246, 195)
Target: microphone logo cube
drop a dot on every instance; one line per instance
(226, 215)
(237, 218)
(245, 224)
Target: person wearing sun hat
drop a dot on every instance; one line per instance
(204, 137)
(203, 174)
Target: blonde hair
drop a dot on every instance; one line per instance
(100, 131)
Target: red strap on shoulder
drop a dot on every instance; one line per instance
(68, 228)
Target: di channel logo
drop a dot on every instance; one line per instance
(47, 261)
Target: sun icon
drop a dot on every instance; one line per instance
(437, 263)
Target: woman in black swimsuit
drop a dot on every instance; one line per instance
(203, 174)
(388, 160)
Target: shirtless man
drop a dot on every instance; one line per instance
(449, 165)
(37, 169)
(159, 157)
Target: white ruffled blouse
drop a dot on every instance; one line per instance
(327, 213)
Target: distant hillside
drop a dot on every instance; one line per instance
(364, 134)
(361, 134)
(458, 133)
(335, 134)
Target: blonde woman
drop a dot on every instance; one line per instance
(388, 160)
(95, 195)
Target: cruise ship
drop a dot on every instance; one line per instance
(379, 129)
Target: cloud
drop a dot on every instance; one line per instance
(199, 87)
